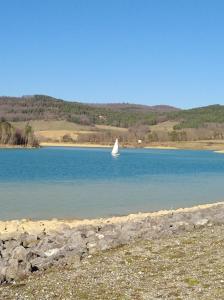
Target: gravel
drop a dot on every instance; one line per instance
(181, 265)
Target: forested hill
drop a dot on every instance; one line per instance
(41, 107)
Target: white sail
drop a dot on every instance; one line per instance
(115, 150)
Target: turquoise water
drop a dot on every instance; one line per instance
(80, 182)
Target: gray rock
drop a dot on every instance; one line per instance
(52, 252)
(89, 233)
(92, 247)
(19, 253)
(11, 244)
(2, 272)
(29, 240)
(107, 243)
(47, 243)
(24, 269)
(11, 272)
(41, 263)
(201, 222)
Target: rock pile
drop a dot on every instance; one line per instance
(21, 254)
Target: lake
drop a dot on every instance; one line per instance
(80, 182)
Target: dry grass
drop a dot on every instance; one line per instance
(57, 135)
(53, 131)
(164, 126)
(113, 128)
(53, 125)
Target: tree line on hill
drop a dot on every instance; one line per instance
(9, 135)
(41, 107)
(190, 124)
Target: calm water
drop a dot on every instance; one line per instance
(69, 182)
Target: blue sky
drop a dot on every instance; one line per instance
(137, 51)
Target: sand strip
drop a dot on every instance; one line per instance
(32, 226)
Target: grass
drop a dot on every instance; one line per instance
(40, 125)
(192, 281)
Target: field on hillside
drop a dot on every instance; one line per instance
(68, 132)
(58, 120)
(64, 131)
(39, 125)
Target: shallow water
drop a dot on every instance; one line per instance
(75, 182)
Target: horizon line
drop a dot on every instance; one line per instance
(88, 102)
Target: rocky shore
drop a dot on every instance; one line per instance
(31, 246)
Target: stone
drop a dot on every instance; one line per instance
(41, 263)
(29, 240)
(11, 272)
(48, 242)
(89, 233)
(11, 244)
(2, 272)
(201, 222)
(105, 244)
(19, 253)
(52, 252)
(24, 269)
(92, 247)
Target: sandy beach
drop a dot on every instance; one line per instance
(43, 144)
(213, 145)
(161, 147)
(78, 145)
(14, 147)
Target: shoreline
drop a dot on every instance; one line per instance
(209, 145)
(37, 226)
(36, 246)
(75, 145)
(16, 147)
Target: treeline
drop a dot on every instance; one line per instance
(143, 135)
(198, 117)
(9, 135)
(41, 107)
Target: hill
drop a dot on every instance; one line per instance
(56, 120)
(199, 117)
(40, 107)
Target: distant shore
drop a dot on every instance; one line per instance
(78, 145)
(213, 145)
(15, 147)
(86, 145)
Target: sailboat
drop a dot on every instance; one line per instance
(115, 150)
